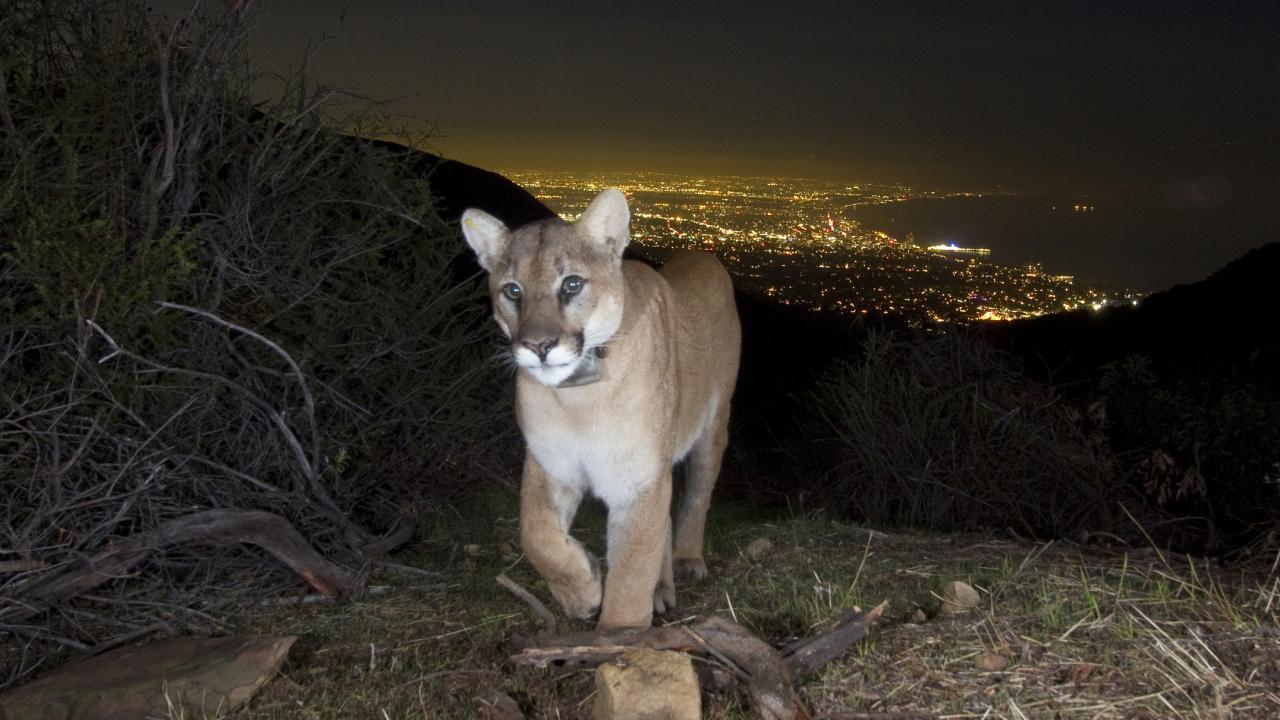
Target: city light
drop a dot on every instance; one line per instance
(794, 241)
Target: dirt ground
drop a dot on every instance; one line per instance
(1062, 631)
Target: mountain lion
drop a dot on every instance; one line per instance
(623, 371)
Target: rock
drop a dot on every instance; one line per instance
(918, 617)
(198, 677)
(991, 662)
(1079, 672)
(471, 549)
(648, 685)
(758, 549)
(958, 597)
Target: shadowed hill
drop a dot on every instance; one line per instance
(458, 186)
(1222, 322)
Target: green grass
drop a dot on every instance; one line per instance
(1087, 633)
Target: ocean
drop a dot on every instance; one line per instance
(1141, 241)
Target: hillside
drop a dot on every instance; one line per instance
(1221, 323)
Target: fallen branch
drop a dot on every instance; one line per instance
(767, 673)
(854, 715)
(548, 620)
(760, 667)
(400, 533)
(13, 566)
(211, 527)
(770, 679)
(813, 653)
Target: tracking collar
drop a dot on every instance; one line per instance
(588, 371)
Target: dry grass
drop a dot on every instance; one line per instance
(1076, 632)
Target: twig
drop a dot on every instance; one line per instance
(548, 620)
(6, 119)
(410, 570)
(1146, 535)
(291, 439)
(40, 633)
(729, 664)
(853, 715)
(308, 401)
(10, 566)
(170, 144)
(219, 527)
(129, 637)
(400, 534)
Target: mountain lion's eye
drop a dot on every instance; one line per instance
(512, 291)
(572, 285)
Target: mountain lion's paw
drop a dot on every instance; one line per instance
(691, 567)
(664, 598)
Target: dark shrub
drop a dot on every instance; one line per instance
(939, 431)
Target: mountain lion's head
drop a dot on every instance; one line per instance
(557, 287)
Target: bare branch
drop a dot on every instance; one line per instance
(548, 620)
(218, 527)
(309, 403)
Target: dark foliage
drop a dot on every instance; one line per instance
(1190, 382)
(939, 431)
(207, 305)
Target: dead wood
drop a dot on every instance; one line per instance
(767, 673)
(210, 527)
(13, 566)
(757, 665)
(853, 715)
(399, 534)
(548, 620)
(770, 679)
(814, 652)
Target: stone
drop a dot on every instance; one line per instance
(201, 677)
(1079, 672)
(758, 549)
(991, 662)
(958, 596)
(918, 617)
(648, 685)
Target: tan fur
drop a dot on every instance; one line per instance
(672, 344)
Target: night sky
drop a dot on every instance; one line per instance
(1174, 107)
(948, 94)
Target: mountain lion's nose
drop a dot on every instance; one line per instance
(541, 347)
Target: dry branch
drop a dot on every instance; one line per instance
(548, 620)
(767, 673)
(760, 667)
(400, 533)
(812, 653)
(211, 527)
(770, 679)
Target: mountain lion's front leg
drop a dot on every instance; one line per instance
(639, 541)
(547, 506)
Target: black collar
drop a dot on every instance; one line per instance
(588, 371)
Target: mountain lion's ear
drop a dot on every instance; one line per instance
(487, 235)
(606, 220)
